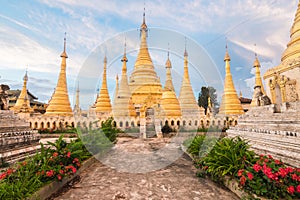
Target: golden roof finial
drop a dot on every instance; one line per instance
(256, 62)
(227, 57)
(124, 59)
(185, 52)
(64, 54)
(168, 63)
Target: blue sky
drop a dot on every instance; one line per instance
(32, 32)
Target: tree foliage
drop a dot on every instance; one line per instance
(203, 97)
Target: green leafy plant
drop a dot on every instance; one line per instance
(227, 157)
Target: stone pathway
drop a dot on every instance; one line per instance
(176, 181)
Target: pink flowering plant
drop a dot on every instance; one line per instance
(270, 178)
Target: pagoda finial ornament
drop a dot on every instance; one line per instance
(59, 103)
(230, 104)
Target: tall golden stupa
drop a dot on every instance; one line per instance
(23, 105)
(230, 104)
(59, 104)
(103, 105)
(123, 106)
(282, 81)
(144, 82)
(188, 103)
(169, 101)
(258, 81)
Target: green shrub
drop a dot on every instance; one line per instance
(227, 157)
(200, 145)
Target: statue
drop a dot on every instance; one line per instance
(4, 97)
(260, 98)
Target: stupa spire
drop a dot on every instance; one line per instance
(144, 80)
(186, 98)
(103, 104)
(169, 101)
(292, 50)
(230, 104)
(123, 106)
(59, 103)
(77, 109)
(169, 83)
(23, 103)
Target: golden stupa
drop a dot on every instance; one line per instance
(258, 81)
(123, 106)
(59, 103)
(282, 81)
(116, 90)
(144, 81)
(103, 101)
(169, 101)
(77, 109)
(230, 104)
(23, 104)
(188, 103)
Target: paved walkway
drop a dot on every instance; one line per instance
(176, 181)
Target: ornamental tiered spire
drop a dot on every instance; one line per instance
(230, 104)
(169, 101)
(59, 103)
(123, 106)
(103, 101)
(144, 81)
(77, 109)
(186, 98)
(23, 103)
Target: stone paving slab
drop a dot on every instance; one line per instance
(177, 181)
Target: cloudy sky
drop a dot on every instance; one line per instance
(31, 36)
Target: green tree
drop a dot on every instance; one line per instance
(203, 97)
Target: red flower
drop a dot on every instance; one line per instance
(9, 171)
(69, 154)
(55, 154)
(291, 189)
(240, 172)
(50, 173)
(3, 176)
(298, 189)
(277, 162)
(243, 180)
(24, 163)
(59, 177)
(257, 167)
(270, 156)
(75, 160)
(61, 171)
(250, 176)
(295, 177)
(282, 172)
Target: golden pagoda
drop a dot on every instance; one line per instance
(282, 81)
(77, 109)
(188, 103)
(59, 103)
(123, 106)
(23, 104)
(144, 81)
(258, 81)
(230, 105)
(169, 101)
(103, 101)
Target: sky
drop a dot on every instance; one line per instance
(32, 32)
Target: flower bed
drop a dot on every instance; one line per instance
(55, 162)
(231, 162)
